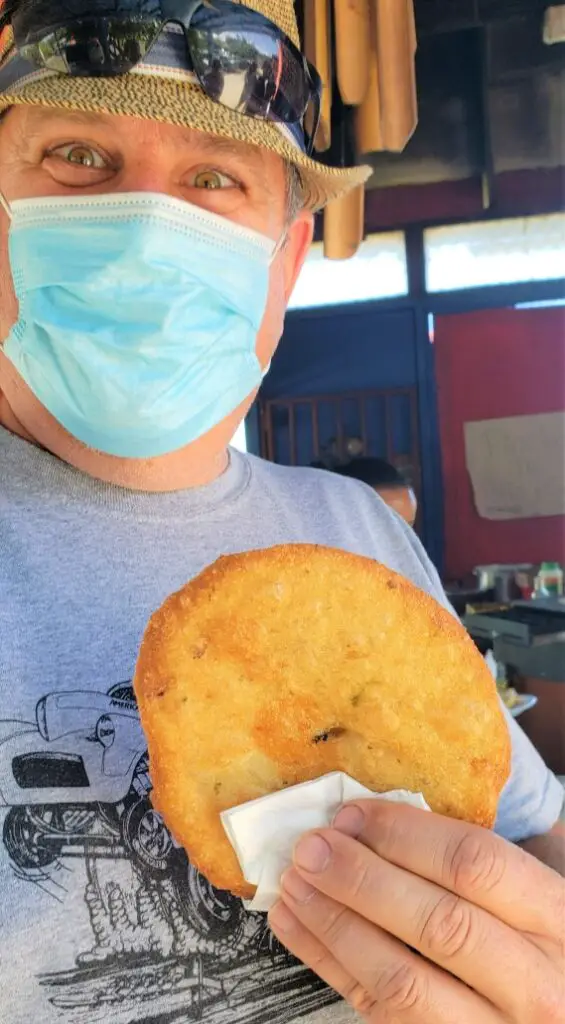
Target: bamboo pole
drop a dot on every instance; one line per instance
(352, 31)
(344, 224)
(317, 48)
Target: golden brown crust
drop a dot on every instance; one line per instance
(274, 667)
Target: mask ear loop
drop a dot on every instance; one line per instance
(278, 247)
(5, 206)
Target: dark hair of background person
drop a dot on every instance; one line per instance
(371, 471)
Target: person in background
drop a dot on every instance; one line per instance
(387, 481)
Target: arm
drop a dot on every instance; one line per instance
(533, 798)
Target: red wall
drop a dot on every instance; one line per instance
(492, 364)
(515, 194)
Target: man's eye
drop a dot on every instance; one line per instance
(80, 156)
(211, 180)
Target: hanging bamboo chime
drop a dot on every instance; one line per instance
(374, 47)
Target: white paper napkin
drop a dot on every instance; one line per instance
(264, 832)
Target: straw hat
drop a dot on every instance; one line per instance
(166, 95)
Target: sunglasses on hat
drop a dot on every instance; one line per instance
(239, 58)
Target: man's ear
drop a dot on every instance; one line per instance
(295, 250)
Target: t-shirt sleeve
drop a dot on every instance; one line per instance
(532, 799)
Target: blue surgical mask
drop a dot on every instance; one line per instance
(138, 316)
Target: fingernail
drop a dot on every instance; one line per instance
(281, 919)
(349, 820)
(312, 854)
(296, 887)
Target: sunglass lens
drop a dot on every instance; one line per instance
(251, 71)
(94, 46)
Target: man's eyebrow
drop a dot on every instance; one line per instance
(41, 117)
(184, 137)
(219, 143)
(209, 145)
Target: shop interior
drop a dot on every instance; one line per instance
(428, 326)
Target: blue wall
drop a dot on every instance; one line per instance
(359, 348)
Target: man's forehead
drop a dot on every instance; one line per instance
(43, 120)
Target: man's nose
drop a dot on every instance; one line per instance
(149, 175)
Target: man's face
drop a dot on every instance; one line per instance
(55, 153)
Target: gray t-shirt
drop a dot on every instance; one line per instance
(102, 917)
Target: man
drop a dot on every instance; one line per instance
(387, 481)
(149, 240)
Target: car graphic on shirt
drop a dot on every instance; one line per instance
(77, 784)
(163, 943)
(78, 777)
(83, 747)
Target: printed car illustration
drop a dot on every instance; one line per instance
(77, 784)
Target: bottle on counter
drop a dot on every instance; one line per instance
(549, 580)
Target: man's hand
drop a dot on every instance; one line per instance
(389, 881)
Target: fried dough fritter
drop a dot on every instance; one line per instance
(275, 667)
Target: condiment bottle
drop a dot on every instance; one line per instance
(549, 580)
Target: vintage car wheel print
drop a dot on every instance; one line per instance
(24, 839)
(146, 837)
(213, 912)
